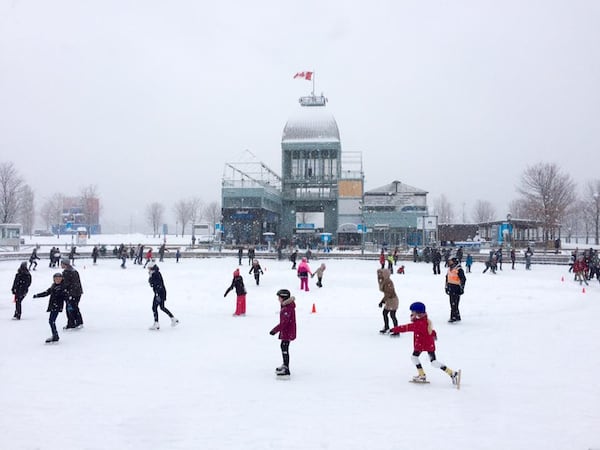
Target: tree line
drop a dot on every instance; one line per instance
(17, 205)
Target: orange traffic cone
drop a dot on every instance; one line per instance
(314, 309)
(583, 292)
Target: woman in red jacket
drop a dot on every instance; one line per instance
(424, 337)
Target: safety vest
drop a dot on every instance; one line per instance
(452, 275)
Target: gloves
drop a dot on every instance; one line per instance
(35, 296)
(272, 332)
(447, 290)
(225, 294)
(381, 303)
(462, 290)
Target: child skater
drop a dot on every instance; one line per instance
(319, 274)
(240, 290)
(303, 273)
(160, 296)
(423, 341)
(286, 328)
(257, 270)
(58, 297)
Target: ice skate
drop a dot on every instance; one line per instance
(282, 371)
(174, 322)
(384, 331)
(456, 378)
(156, 326)
(419, 379)
(52, 339)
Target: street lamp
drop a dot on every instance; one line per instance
(597, 206)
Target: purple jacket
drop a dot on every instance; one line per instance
(287, 321)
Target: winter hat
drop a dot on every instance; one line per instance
(151, 265)
(57, 274)
(284, 294)
(304, 259)
(418, 308)
(236, 273)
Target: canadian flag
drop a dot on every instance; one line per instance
(305, 75)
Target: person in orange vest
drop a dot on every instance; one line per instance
(455, 287)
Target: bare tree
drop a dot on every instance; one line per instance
(212, 211)
(154, 215)
(183, 213)
(518, 209)
(196, 207)
(443, 209)
(548, 194)
(51, 211)
(10, 190)
(592, 196)
(27, 210)
(90, 205)
(483, 211)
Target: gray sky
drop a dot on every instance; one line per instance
(148, 100)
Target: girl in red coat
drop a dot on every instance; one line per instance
(423, 341)
(303, 273)
(286, 328)
(238, 284)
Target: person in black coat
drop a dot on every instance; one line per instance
(436, 259)
(293, 257)
(72, 286)
(160, 296)
(58, 296)
(257, 270)
(20, 287)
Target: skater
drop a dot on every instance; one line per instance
(95, 253)
(528, 255)
(436, 260)
(455, 287)
(240, 290)
(303, 273)
(423, 341)
(177, 255)
(20, 287)
(293, 257)
(580, 269)
(161, 252)
(389, 302)
(148, 257)
(32, 259)
(72, 286)
(240, 255)
(382, 259)
(251, 254)
(72, 255)
(286, 328)
(160, 296)
(58, 297)
(469, 262)
(257, 271)
(513, 257)
(319, 274)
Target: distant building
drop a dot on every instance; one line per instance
(79, 213)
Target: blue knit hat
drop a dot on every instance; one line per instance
(418, 308)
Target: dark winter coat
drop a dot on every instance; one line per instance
(58, 296)
(287, 321)
(424, 335)
(71, 282)
(33, 256)
(157, 284)
(238, 284)
(256, 269)
(22, 282)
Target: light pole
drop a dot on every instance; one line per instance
(362, 226)
(597, 211)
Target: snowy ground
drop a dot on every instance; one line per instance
(528, 347)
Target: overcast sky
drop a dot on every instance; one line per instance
(148, 99)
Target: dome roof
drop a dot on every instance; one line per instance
(311, 124)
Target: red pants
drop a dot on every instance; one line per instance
(304, 283)
(240, 307)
